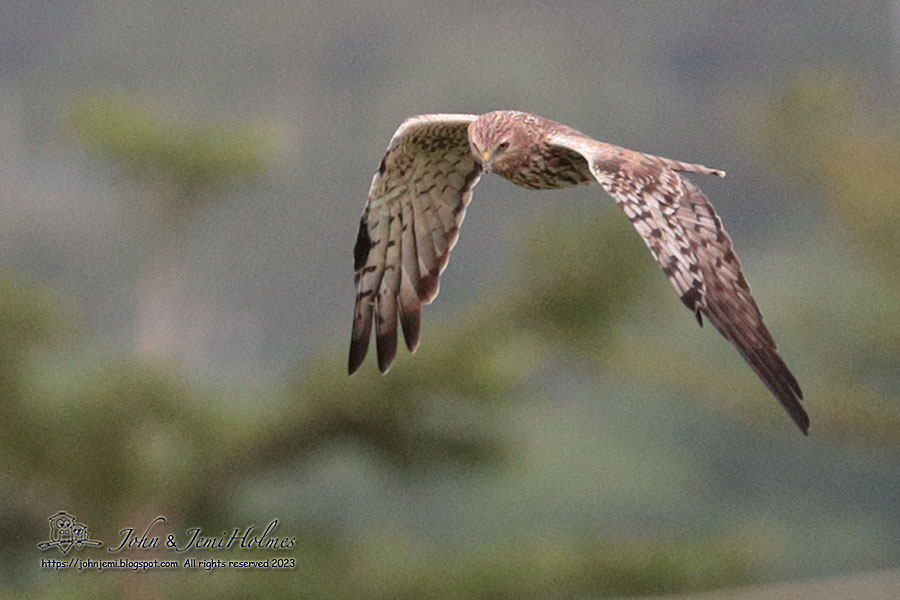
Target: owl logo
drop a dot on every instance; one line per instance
(81, 537)
(65, 532)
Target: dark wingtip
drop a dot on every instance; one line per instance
(386, 345)
(428, 287)
(358, 349)
(802, 420)
(791, 400)
(791, 404)
(410, 321)
(412, 343)
(765, 362)
(786, 389)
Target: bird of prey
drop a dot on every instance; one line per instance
(419, 196)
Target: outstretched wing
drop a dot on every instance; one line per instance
(411, 222)
(686, 237)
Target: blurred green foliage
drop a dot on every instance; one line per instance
(574, 278)
(799, 128)
(390, 569)
(30, 318)
(193, 156)
(145, 432)
(826, 131)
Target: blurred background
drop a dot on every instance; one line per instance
(181, 186)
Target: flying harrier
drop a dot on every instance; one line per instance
(419, 196)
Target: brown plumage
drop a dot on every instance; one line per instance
(418, 198)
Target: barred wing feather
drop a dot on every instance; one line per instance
(686, 237)
(416, 205)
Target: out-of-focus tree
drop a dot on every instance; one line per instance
(179, 168)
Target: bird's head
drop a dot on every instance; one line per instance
(497, 138)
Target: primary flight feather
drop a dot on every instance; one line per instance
(419, 195)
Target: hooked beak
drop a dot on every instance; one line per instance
(486, 161)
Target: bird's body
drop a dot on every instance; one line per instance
(533, 163)
(417, 203)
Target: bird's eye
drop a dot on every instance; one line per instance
(503, 146)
